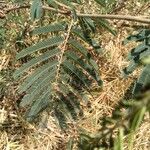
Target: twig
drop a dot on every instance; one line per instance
(44, 7)
(107, 16)
(16, 8)
(135, 26)
(118, 17)
(143, 7)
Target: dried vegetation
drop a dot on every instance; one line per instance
(16, 134)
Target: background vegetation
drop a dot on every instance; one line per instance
(83, 113)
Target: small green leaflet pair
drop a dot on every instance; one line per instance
(137, 56)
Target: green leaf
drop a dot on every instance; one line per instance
(136, 57)
(70, 95)
(36, 75)
(33, 8)
(39, 105)
(118, 145)
(145, 53)
(38, 90)
(137, 51)
(90, 24)
(61, 118)
(78, 32)
(36, 9)
(69, 106)
(95, 46)
(49, 28)
(79, 47)
(80, 95)
(62, 106)
(39, 11)
(141, 36)
(85, 66)
(138, 119)
(77, 72)
(35, 61)
(143, 80)
(88, 27)
(54, 41)
(105, 24)
(132, 66)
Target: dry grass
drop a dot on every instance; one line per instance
(141, 137)
(15, 134)
(114, 87)
(18, 135)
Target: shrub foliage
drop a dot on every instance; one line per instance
(61, 64)
(60, 70)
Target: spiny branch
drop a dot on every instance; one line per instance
(141, 19)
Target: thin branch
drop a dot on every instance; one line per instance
(16, 8)
(141, 19)
(118, 17)
(140, 26)
(44, 7)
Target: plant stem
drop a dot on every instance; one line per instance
(118, 17)
(141, 19)
(63, 48)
